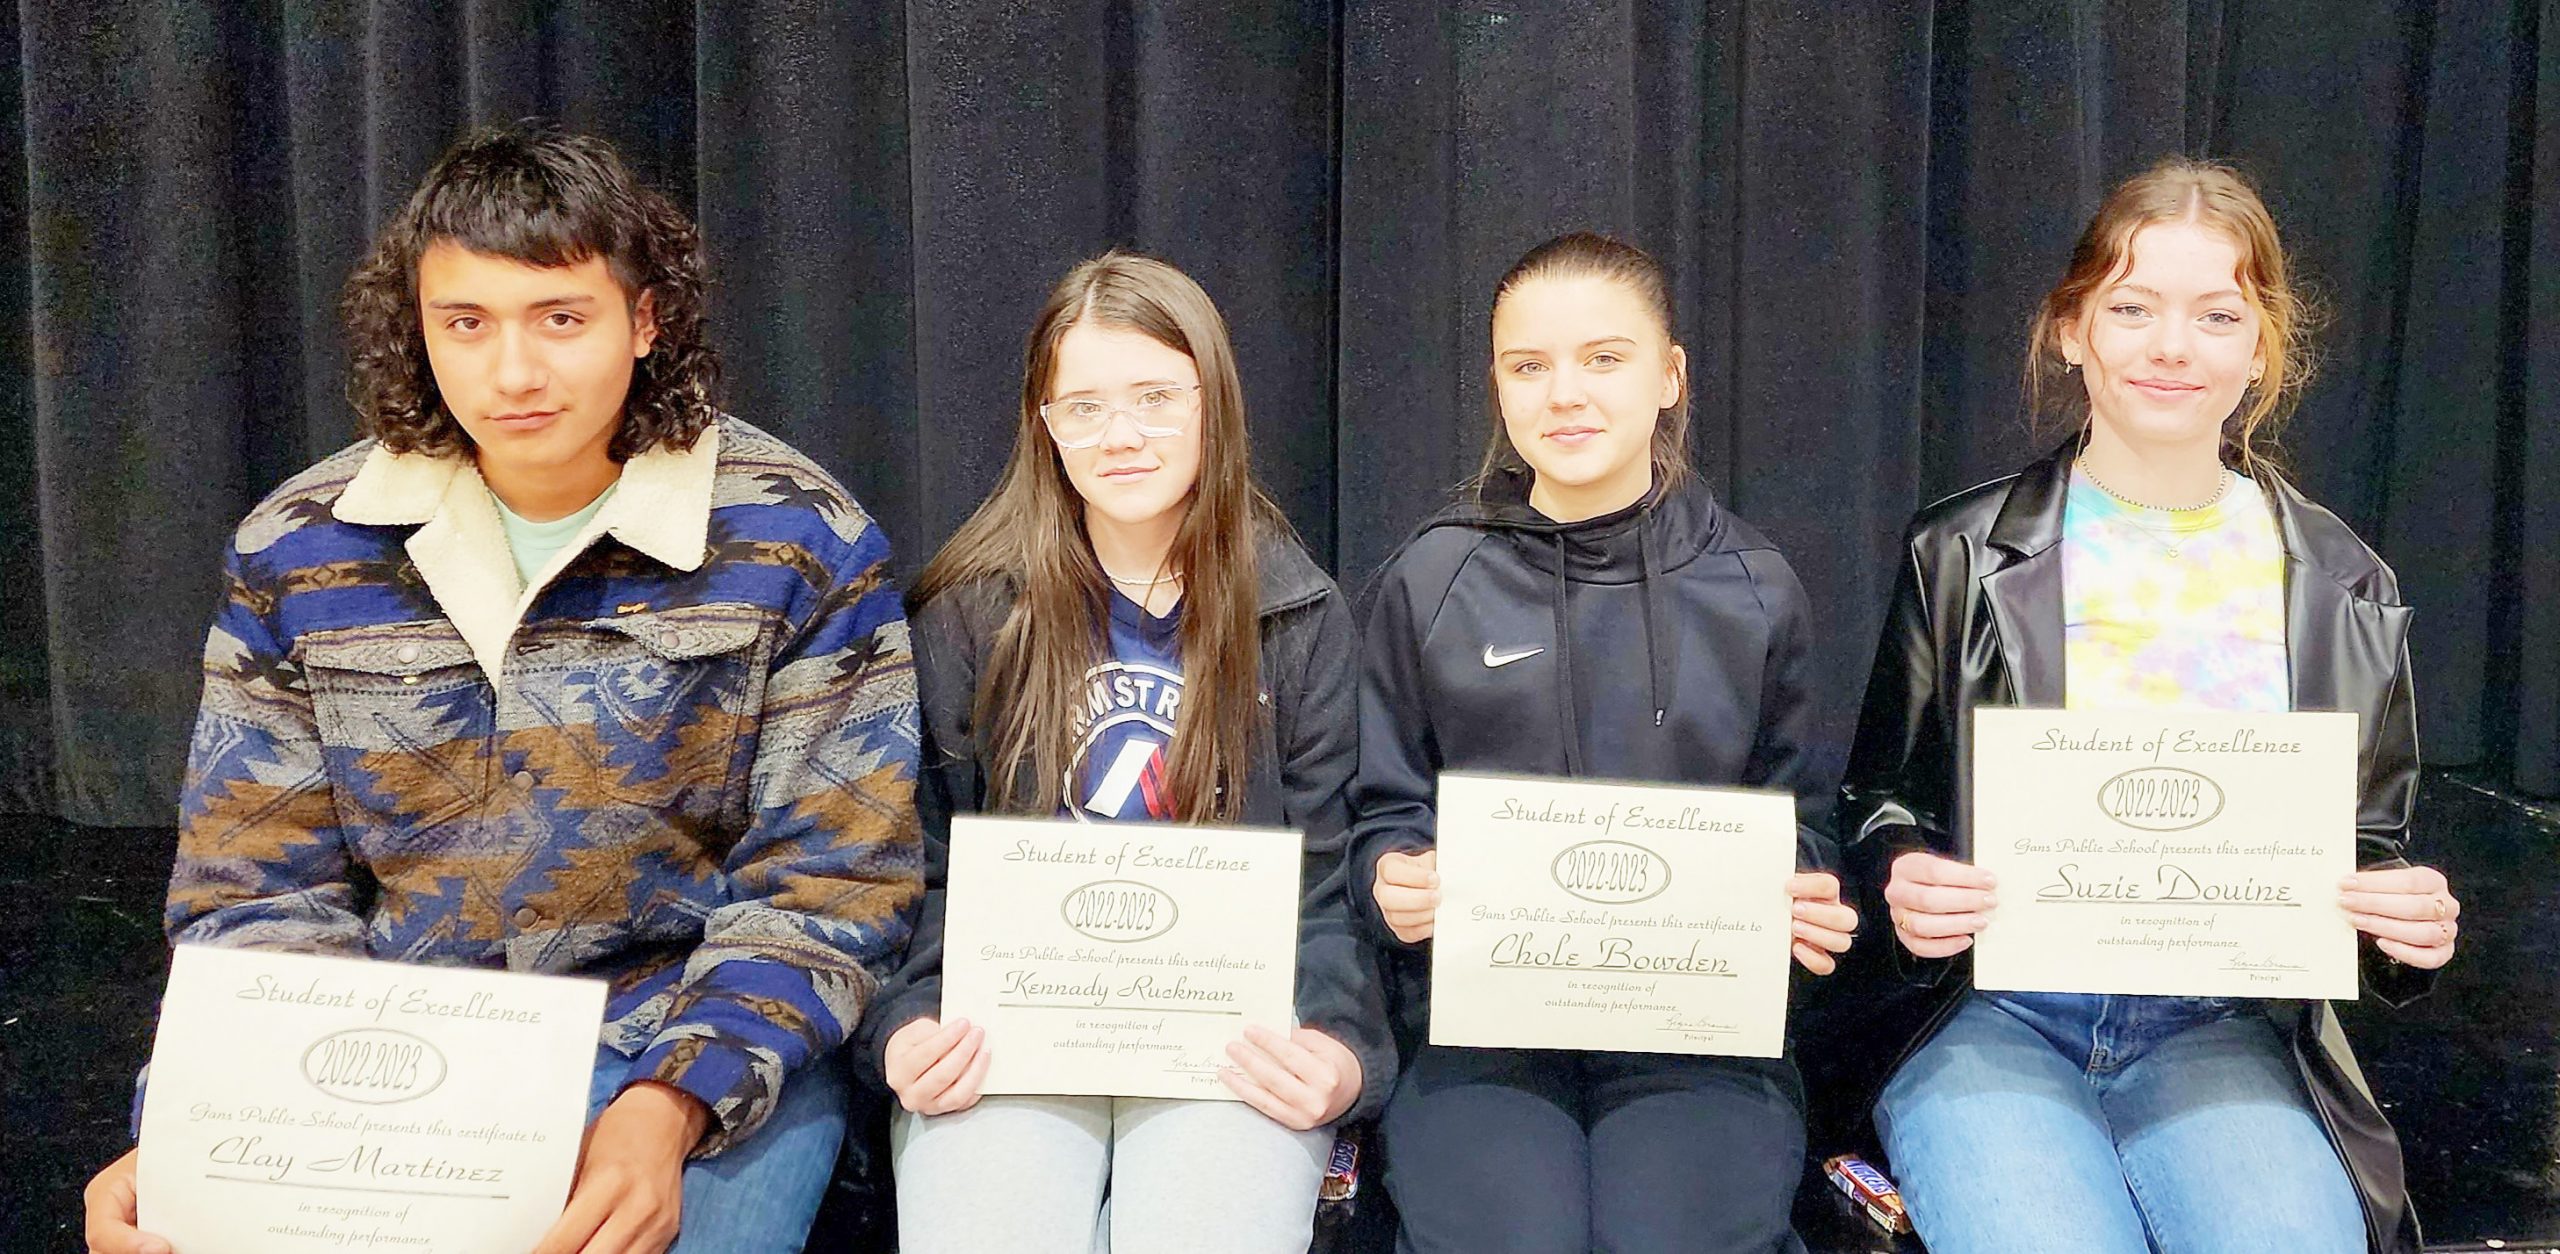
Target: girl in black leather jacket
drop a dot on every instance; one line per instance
(2155, 559)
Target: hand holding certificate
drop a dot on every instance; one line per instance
(305, 1103)
(1580, 915)
(2190, 853)
(1118, 959)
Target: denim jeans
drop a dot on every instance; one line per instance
(760, 1196)
(2036, 1122)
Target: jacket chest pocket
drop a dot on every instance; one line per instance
(405, 721)
(662, 705)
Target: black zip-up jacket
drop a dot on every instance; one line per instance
(1664, 643)
(1296, 778)
(1976, 619)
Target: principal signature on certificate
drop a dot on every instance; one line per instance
(1692, 1026)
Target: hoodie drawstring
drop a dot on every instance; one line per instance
(1660, 683)
(1566, 725)
(1654, 645)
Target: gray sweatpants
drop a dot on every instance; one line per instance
(1112, 1175)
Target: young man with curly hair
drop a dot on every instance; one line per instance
(563, 671)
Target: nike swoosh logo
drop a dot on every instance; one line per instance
(1495, 657)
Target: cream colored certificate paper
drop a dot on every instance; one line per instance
(1580, 915)
(2187, 853)
(1118, 959)
(303, 1103)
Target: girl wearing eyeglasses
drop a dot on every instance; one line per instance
(1128, 629)
(1589, 610)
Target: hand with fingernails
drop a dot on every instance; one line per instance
(935, 1068)
(628, 1193)
(110, 1201)
(1408, 893)
(1938, 903)
(2410, 912)
(1303, 1079)
(1824, 925)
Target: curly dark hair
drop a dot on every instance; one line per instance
(536, 194)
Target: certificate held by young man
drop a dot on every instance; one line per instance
(1118, 959)
(2191, 853)
(1583, 915)
(309, 1103)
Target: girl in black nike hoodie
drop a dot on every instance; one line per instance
(1588, 610)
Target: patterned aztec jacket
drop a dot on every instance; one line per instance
(682, 761)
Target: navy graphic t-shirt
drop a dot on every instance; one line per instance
(1126, 723)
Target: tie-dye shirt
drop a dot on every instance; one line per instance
(2172, 607)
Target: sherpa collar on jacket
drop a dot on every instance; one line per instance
(663, 509)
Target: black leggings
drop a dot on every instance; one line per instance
(1508, 1151)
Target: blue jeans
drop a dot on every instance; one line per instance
(2036, 1122)
(759, 1197)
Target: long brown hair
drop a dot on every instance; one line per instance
(1586, 254)
(2182, 189)
(1030, 537)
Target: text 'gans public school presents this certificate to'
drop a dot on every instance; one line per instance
(2168, 852)
(1118, 959)
(1581, 915)
(306, 1103)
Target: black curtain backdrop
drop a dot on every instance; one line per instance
(1859, 200)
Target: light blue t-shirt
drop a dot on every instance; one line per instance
(534, 543)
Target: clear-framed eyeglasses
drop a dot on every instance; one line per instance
(1161, 412)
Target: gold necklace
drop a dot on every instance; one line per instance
(2224, 489)
(2155, 535)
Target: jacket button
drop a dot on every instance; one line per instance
(526, 917)
(408, 653)
(524, 780)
